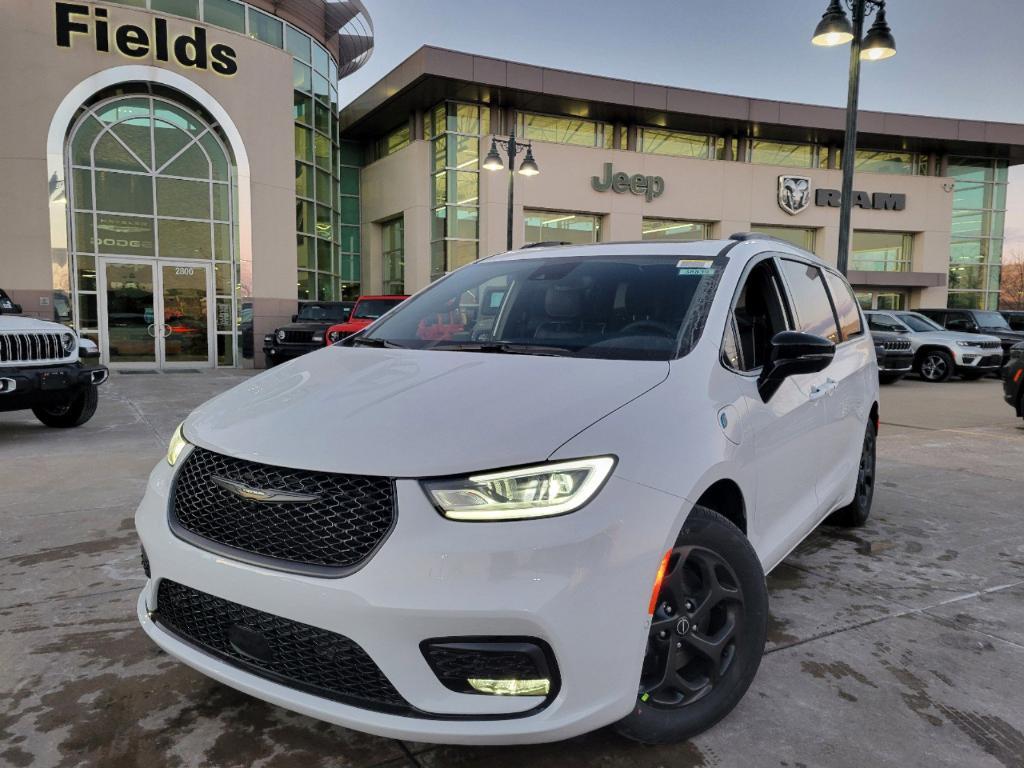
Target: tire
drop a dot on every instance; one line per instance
(73, 414)
(972, 374)
(889, 378)
(935, 366)
(856, 513)
(714, 583)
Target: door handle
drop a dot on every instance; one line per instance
(167, 330)
(151, 330)
(826, 388)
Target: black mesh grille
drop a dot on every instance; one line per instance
(298, 337)
(335, 533)
(992, 360)
(896, 345)
(291, 653)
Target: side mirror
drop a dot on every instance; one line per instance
(295, 318)
(793, 353)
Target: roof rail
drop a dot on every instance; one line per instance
(545, 244)
(741, 236)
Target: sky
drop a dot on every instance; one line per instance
(955, 58)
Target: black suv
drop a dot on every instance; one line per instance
(984, 321)
(1015, 318)
(895, 358)
(306, 332)
(7, 304)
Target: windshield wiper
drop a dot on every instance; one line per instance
(503, 348)
(365, 341)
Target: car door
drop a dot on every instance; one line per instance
(848, 407)
(781, 435)
(814, 314)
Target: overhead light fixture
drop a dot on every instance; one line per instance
(834, 27)
(878, 42)
(529, 166)
(493, 160)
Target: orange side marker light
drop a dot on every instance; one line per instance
(657, 582)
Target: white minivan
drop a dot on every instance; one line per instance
(535, 499)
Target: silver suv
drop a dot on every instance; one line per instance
(939, 353)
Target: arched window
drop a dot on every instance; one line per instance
(152, 179)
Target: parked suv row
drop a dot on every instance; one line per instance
(978, 321)
(939, 353)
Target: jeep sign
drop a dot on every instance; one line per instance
(648, 186)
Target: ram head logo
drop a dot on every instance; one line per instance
(794, 193)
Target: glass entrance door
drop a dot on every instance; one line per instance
(156, 314)
(128, 315)
(185, 298)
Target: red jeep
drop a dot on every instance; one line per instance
(366, 310)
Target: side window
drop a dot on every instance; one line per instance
(846, 306)
(882, 323)
(756, 317)
(811, 305)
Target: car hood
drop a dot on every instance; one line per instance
(1004, 334)
(415, 413)
(23, 323)
(953, 336)
(317, 326)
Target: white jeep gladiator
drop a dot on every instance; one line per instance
(42, 369)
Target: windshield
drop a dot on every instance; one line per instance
(371, 309)
(619, 307)
(919, 322)
(991, 320)
(327, 313)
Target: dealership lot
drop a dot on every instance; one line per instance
(901, 643)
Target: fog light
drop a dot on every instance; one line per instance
(511, 687)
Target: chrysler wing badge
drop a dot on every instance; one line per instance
(269, 495)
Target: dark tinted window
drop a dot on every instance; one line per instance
(371, 309)
(311, 313)
(846, 306)
(810, 300)
(884, 323)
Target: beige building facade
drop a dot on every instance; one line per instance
(172, 170)
(630, 161)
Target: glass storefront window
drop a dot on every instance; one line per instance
(674, 229)
(393, 244)
(187, 8)
(394, 141)
(780, 153)
(183, 199)
(563, 130)
(561, 226)
(801, 237)
(979, 203)
(881, 251)
(266, 28)
(657, 141)
(225, 13)
(298, 44)
(884, 161)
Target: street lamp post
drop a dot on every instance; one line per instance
(529, 167)
(835, 29)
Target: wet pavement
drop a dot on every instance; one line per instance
(901, 643)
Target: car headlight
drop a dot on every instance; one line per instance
(67, 340)
(318, 336)
(967, 344)
(280, 335)
(177, 445)
(519, 494)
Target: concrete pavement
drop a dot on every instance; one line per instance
(901, 643)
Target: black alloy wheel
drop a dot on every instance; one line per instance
(707, 633)
(694, 630)
(856, 513)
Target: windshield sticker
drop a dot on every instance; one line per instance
(695, 267)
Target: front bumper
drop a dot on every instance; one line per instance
(25, 387)
(977, 358)
(580, 582)
(280, 353)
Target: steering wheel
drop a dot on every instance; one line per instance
(640, 326)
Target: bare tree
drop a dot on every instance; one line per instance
(1011, 283)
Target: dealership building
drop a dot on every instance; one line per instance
(177, 173)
